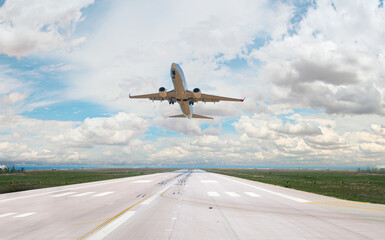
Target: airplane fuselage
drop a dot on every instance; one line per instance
(180, 87)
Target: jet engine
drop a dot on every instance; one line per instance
(162, 92)
(197, 93)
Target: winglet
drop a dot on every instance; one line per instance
(129, 95)
(243, 99)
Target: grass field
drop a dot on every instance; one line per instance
(46, 178)
(348, 185)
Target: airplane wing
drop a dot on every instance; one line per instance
(156, 96)
(213, 98)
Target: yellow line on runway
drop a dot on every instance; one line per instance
(340, 205)
(110, 219)
(165, 192)
(82, 223)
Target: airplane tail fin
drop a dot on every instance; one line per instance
(193, 116)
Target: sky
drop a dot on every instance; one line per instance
(312, 73)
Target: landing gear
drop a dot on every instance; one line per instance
(191, 103)
(171, 102)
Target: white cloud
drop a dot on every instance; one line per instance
(333, 62)
(115, 130)
(13, 98)
(30, 26)
(372, 148)
(378, 129)
(328, 139)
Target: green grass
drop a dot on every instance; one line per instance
(47, 178)
(347, 185)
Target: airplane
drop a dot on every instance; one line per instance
(183, 96)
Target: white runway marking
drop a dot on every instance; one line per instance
(25, 214)
(233, 194)
(112, 226)
(82, 194)
(269, 191)
(102, 194)
(7, 214)
(63, 194)
(142, 181)
(251, 194)
(62, 190)
(153, 197)
(209, 181)
(213, 194)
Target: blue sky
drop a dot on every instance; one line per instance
(303, 67)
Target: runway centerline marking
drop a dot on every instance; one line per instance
(25, 215)
(7, 214)
(82, 194)
(268, 191)
(233, 194)
(112, 226)
(63, 194)
(252, 194)
(213, 194)
(102, 194)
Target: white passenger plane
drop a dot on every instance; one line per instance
(183, 96)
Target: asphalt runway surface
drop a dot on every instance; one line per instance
(184, 205)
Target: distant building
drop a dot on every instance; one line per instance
(2, 167)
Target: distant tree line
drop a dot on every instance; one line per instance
(12, 170)
(371, 170)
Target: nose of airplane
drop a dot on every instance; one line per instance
(174, 69)
(174, 65)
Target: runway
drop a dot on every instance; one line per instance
(184, 205)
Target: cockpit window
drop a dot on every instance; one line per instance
(173, 72)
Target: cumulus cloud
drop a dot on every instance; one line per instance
(299, 129)
(335, 65)
(378, 129)
(13, 97)
(372, 148)
(270, 127)
(328, 139)
(115, 130)
(39, 25)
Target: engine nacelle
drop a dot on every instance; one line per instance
(162, 92)
(197, 93)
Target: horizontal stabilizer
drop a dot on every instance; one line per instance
(200, 116)
(178, 116)
(193, 116)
